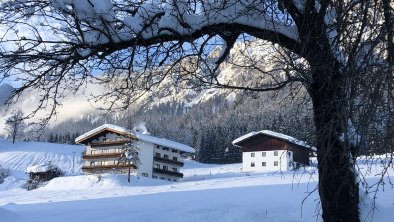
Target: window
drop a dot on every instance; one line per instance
(252, 154)
(118, 138)
(105, 140)
(252, 164)
(157, 166)
(275, 163)
(157, 154)
(165, 156)
(174, 158)
(169, 179)
(264, 154)
(116, 162)
(263, 164)
(165, 167)
(144, 174)
(162, 178)
(174, 150)
(92, 163)
(275, 153)
(174, 180)
(154, 177)
(175, 169)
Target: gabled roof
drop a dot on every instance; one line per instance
(106, 127)
(270, 133)
(137, 135)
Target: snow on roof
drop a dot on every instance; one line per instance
(165, 142)
(141, 136)
(276, 135)
(41, 168)
(100, 128)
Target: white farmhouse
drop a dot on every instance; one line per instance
(159, 158)
(271, 151)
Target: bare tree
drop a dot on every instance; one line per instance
(338, 50)
(15, 124)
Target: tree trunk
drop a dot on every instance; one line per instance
(13, 137)
(338, 188)
(128, 178)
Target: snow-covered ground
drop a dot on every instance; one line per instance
(208, 192)
(17, 157)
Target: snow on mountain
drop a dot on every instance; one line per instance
(234, 71)
(76, 106)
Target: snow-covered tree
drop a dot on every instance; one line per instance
(130, 157)
(15, 125)
(342, 52)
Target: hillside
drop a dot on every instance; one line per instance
(17, 157)
(208, 192)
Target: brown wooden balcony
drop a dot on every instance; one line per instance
(108, 167)
(101, 155)
(169, 161)
(172, 173)
(110, 143)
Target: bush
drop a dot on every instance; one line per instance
(4, 172)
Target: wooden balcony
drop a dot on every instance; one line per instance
(169, 161)
(172, 173)
(109, 143)
(101, 156)
(107, 167)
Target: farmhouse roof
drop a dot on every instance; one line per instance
(137, 135)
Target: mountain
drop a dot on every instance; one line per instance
(198, 116)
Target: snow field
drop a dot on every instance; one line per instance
(208, 192)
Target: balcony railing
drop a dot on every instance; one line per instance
(109, 143)
(101, 155)
(169, 161)
(108, 167)
(172, 173)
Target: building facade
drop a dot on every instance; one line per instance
(158, 158)
(271, 151)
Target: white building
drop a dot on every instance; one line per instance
(271, 151)
(159, 158)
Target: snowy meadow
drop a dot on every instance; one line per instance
(208, 192)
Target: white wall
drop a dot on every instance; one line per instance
(145, 153)
(282, 158)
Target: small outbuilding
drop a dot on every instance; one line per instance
(271, 151)
(41, 173)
